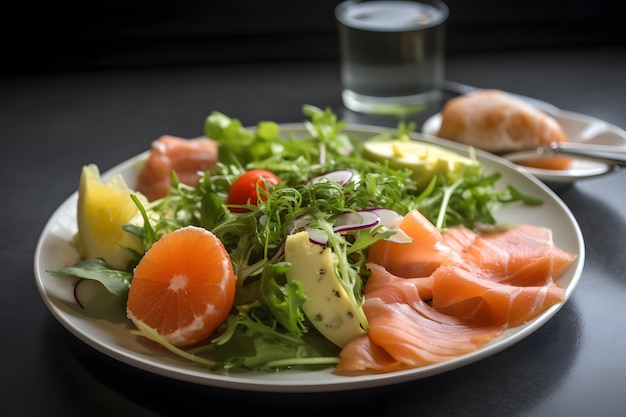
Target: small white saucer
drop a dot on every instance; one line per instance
(578, 128)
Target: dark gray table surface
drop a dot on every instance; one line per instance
(51, 125)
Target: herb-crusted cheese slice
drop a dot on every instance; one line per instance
(328, 306)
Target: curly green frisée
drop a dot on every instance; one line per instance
(331, 197)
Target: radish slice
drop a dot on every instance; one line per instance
(302, 222)
(388, 217)
(317, 236)
(299, 223)
(356, 221)
(340, 176)
(389, 220)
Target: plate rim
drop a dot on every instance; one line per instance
(330, 382)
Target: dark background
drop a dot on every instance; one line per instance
(108, 77)
(45, 36)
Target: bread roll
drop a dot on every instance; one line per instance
(497, 122)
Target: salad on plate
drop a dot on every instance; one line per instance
(368, 255)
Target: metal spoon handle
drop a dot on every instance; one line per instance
(614, 155)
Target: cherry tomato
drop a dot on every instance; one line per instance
(244, 189)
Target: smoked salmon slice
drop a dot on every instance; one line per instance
(464, 294)
(448, 294)
(417, 259)
(524, 255)
(405, 332)
(362, 356)
(418, 335)
(381, 279)
(188, 158)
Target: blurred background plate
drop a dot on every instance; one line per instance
(579, 128)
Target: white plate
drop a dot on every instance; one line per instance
(105, 328)
(578, 128)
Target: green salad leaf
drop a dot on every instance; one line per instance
(116, 282)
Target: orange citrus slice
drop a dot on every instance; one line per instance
(183, 287)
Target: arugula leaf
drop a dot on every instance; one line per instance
(469, 201)
(116, 282)
(250, 339)
(237, 145)
(283, 299)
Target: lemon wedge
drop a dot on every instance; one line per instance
(102, 209)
